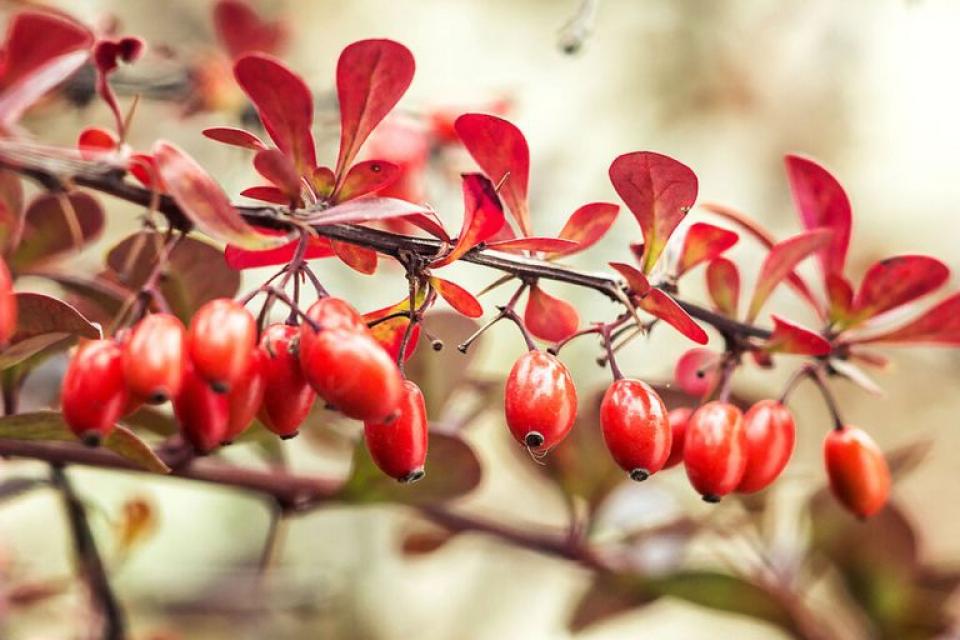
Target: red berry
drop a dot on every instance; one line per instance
(154, 357)
(541, 401)
(696, 371)
(352, 372)
(8, 304)
(678, 419)
(399, 447)
(221, 337)
(289, 397)
(715, 450)
(331, 314)
(203, 413)
(94, 393)
(246, 397)
(770, 434)
(635, 427)
(858, 471)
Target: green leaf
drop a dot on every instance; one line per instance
(153, 420)
(54, 225)
(43, 321)
(49, 426)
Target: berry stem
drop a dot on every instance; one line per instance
(606, 337)
(505, 311)
(816, 374)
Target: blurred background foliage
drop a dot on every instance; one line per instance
(728, 87)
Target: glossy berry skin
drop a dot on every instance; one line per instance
(8, 304)
(540, 401)
(353, 373)
(245, 397)
(399, 447)
(770, 434)
(678, 419)
(635, 427)
(715, 450)
(154, 356)
(696, 371)
(94, 393)
(203, 413)
(331, 314)
(858, 472)
(289, 397)
(221, 337)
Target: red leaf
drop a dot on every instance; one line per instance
(482, 217)
(204, 202)
(358, 258)
(266, 194)
(938, 325)
(661, 305)
(703, 243)
(367, 177)
(236, 137)
(588, 224)
(277, 168)
(370, 209)
(284, 103)
(549, 318)
(765, 238)
(242, 31)
(143, 167)
(372, 76)
(94, 142)
(457, 297)
(821, 202)
(238, 258)
(535, 243)
(429, 222)
(783, 257)
(896, 281)
(723, 284)
(636, 281)
(55, 224)
(788, 337)
(839, 298)
(389, 333)
(500, 150)
(39, 52)
(659, 191)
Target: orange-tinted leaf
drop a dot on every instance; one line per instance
(367, 177)
(588, 224)
(238, 258)
(703, 243)
(500, 149)
(277, 168)
(372, 76)
(323, 180)
(362, 259)
(661, 305)
(767, 239)
(235, 137)
(371, 209)
(482, 217)
(55, 224)
(39, 52)
(723, 285)
(11, 209)
(821, 202)
(659, 191)
(896, 281)
(266, 194)
(839, 298)
(284, 103)
(549, 318)
(534, 243)
(638, 283)
(389, 333)
(242, 31)
(457, 297)
(788, 337)
(203, 201)
(938, 325)
(783, 257)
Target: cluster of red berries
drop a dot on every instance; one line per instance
(220, 378)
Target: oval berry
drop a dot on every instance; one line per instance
(289, 397)
(715, 450)
(540, 401)
(8, 304)
(154, 356)
(331, 314)
(399, 447)
(770, 434)
(858, 471)
(696, 371)
(353, 373)
(221, 337)
(94, 393)
(635, 427)
(678, 419)
(203, 413)
(245, 397)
